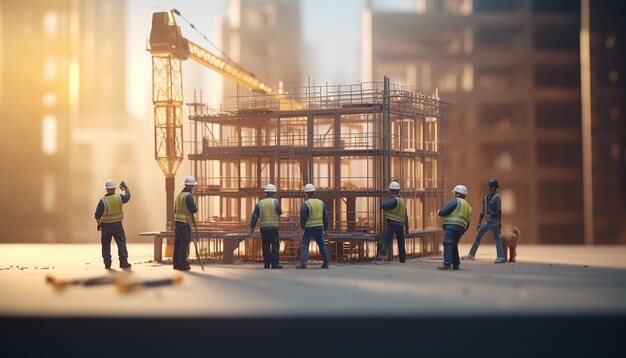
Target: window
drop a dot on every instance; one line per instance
(557, 37)
(50, 24)
(563, 75)
(503, 116)
(49, 128)
(566, 154)
(563, 114)
(509, 202)
(496, 79)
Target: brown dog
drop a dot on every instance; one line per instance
(510, 237)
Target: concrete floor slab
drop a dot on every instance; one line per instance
(555, 301)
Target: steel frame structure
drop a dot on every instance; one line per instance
(350, 141)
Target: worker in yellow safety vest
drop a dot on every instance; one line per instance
(266, 213)
(314, 221)
(109, 215)
(456, 214)
(397, 223)
(184, 208)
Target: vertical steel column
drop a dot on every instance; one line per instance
(386, 149)
(309, 138)
(336, 198)
(585, 89)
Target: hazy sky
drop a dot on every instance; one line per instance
(331, 44)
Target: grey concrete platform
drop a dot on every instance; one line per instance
(579, 292)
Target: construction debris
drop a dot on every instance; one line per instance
(60, 285)
(122, 282)
(125, 286)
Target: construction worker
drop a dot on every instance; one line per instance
(492, 211)
(397, 222)
(314, 221)
(109, 215)
(456, 216)
(266, 212)
(184, 208)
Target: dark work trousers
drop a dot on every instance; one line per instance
(271, 245)
(394, 227)
(316, 233)
(451, 239)
(181, 245)
(115, 230)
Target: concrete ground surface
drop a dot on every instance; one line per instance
(555, 299)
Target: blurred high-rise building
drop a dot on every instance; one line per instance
(264, 37)
(35, 106)
(607, 95)
(514, 70)
(62, 114)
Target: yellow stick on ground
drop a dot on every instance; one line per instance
(123, 286)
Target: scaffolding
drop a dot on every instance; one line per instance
(350, 141)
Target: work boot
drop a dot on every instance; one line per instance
(325, 265)
(467, 257)
(107, 264)
(276, 265)
(125, 264)
(444, 267)
(380, 260)
(402, 261)
(301, 266)
(455, 267)
(266, 265)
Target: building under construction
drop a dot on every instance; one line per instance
(350, 141)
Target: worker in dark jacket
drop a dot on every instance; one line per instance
(266, 212)
(397, 222)
(492, 212)
(184, 208)
(456, 216)
(109, 215)
(314, 220)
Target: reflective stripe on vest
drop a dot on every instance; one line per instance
(181, 211)
(268, 216)
(398, 213)
(460, 216)
(112, 209)
(316, 212)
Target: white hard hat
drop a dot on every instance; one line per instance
(270, 188)
(309, 188)
(394, 185)
(461, 189)
(110, 184)
(189, 180)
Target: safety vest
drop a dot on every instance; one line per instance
(489, 207)
(461, 215)
(181, 211)
(112, 209)
(398, 213)
(268, 216)
(316, 212)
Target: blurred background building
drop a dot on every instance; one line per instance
(73, 112)
(63, 119)
(514, 69)
(264, 36)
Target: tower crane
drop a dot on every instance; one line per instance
(168, 49)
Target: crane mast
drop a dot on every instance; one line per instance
(168, 49)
